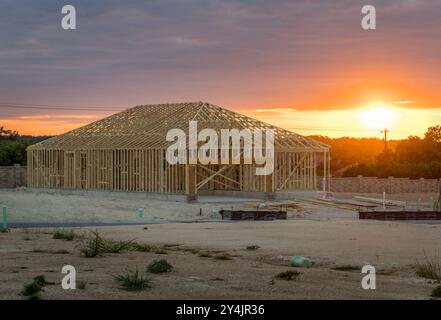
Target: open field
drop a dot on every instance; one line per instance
(392, 248)
(329, 235)
(41, 206)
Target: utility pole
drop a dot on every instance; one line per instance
(385, 131)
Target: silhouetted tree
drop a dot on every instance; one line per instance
(413, 158)
(12, 150)
(4, 134)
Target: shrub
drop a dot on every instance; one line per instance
(93, 246)
(82, 285)
(61, 251)
(436, 292)
(347, 267)
(205, 254)
(33, 290)
(218, 279)
(430, 269)
(133, 280)
(38, 250)
(253, 247)
(288, 275)
(141, 247)
(223, 256)
(41, 280)
(65, 234)
(159, 266)
(111, 246)
(172, 245)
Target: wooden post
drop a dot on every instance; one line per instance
(324, 171)
(315, 171)
(190, 182)
(5, 223)
(269, 187)
(329, 171)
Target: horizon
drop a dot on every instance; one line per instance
(306, 67)
(275, 116)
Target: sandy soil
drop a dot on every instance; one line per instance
(40, 206)
(392, 248)
(410, 198)
(329, 235)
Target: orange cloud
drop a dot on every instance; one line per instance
(47, 124)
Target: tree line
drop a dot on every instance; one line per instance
(413, 157)
(13, 146)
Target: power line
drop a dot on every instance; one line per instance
(328, 129)
(35, 106)
(344, 130)
(53, 107)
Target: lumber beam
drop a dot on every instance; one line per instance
(294, 170)
(191, 182)
(205, 181)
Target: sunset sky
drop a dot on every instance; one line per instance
(307, 66)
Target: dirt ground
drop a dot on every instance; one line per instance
(392, 248)
(410, 198)
(26, 205)
(330, 236)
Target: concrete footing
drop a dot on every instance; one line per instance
(264, 196)
(106, 193)
(235, 194)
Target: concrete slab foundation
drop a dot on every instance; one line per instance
(104, 193)
(237, 195)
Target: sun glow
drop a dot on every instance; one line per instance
(377, 116)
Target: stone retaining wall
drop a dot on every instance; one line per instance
(362, 184)
(12, 176)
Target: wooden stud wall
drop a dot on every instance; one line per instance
(295, 170)
(148, 171)
(119, 170)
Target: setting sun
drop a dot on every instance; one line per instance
(377, 117)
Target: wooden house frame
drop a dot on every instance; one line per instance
(126, 152)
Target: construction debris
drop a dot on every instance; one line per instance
(298, 261)
(400, 215)
(261, 215)
(381, 201)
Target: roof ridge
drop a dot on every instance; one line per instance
(128, 128)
